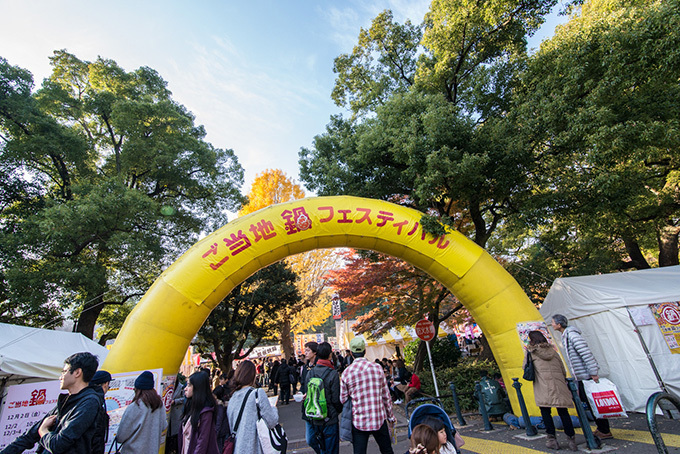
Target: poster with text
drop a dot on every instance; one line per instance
(25, 405)
(524, 328)
(120, 395)
(667, 315)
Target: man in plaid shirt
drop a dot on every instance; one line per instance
(364, 382)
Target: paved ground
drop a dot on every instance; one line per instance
(631, 436)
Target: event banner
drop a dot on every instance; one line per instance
(25, 405)
(668, 317)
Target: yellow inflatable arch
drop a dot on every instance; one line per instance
(158, 331)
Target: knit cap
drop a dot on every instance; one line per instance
(144, 381)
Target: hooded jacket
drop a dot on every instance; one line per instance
(73, 431)
(581, 360)
(550, 386)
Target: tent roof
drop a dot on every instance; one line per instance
(576, 297)
(36, 352)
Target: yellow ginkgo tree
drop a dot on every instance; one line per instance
(313, 308)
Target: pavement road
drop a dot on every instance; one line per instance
(631, 436)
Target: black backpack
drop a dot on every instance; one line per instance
(101, 431)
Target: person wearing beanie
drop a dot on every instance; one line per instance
(144, 419)
(100, 383)
(101, 378)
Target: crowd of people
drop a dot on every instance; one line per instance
(343, 397)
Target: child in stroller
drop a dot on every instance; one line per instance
(435, 417)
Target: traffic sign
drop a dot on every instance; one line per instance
(425, 330)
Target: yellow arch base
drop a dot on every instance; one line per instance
(158, 331)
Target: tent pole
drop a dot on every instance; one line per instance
(662, 385)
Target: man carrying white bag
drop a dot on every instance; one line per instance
(583, 367)
(604, 399)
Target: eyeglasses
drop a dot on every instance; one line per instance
(64, 372)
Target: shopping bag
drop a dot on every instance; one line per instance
(272, 441)
(604, 399)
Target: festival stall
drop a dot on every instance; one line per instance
(631, 321)
(385, 346)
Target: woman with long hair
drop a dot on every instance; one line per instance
(248, 399)
(550, 388)
(198, 422)
(144, 420)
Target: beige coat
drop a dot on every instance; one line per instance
(550, 386)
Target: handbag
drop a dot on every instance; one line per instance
(272, 441)
(604, 399)
(230, 442)
(529, 371)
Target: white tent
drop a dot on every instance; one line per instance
(612, 311)
(34, 353)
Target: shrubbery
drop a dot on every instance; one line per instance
(445, 353)
(451, 367)
(463, 375)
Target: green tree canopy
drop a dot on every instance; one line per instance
(111, 180)
(423, 100)
(599, 109)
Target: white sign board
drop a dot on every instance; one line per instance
(25, 405)
(271, 350)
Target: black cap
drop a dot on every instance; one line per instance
(100, 377)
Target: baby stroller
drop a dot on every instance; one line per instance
(421, 412)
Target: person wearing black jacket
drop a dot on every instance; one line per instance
(101, 382)
(294, 374)
(272, 377)
(283, 379)
(310, 361)
(70, 426)
(324, 436)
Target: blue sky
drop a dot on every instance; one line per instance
(257, 74)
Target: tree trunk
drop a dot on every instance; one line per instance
(420, 357)
(486, 352)
(285, 337)
(87, 320)
(481, 233)
(223, 359)
(637, 258)
(668, 245)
